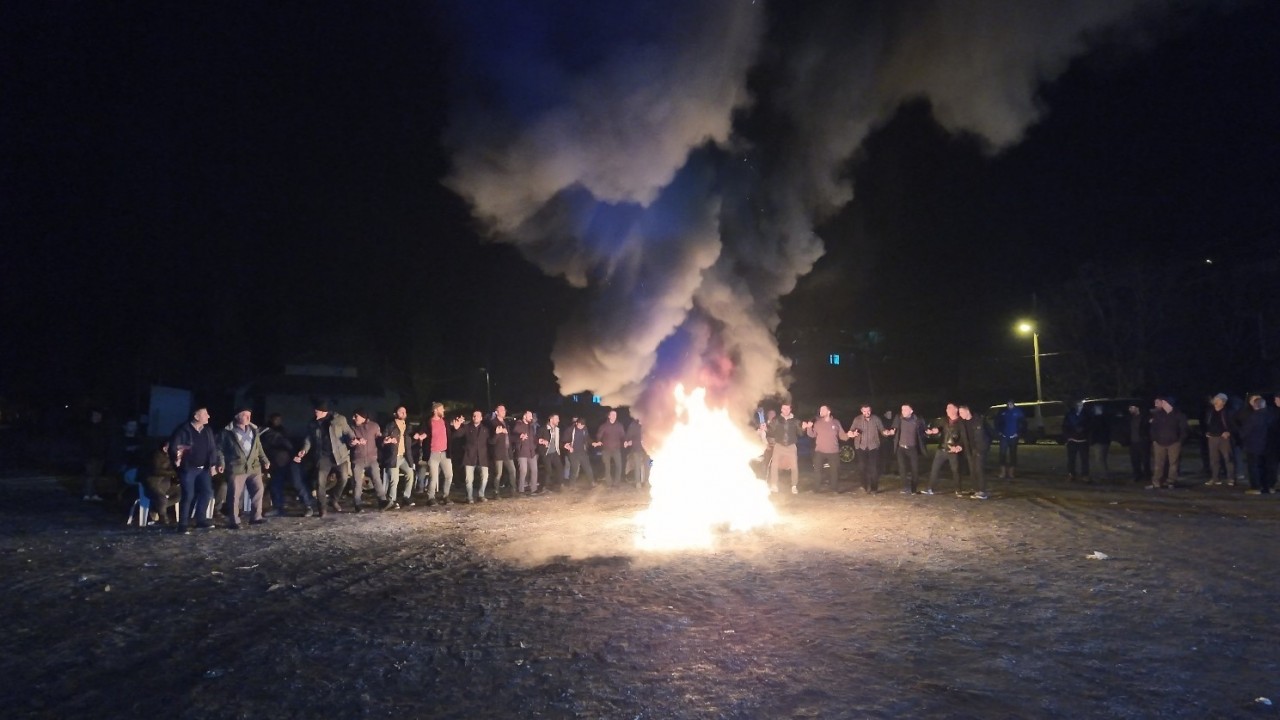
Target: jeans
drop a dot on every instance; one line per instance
(470, 473)
(239, 483)
(640, 466)
(528, 470)
(370, 467)
(612, 466)
(977, 470)
(908, 458)
(950, 458)
(580, 462)
(826, 466)
(438, 463)
(1164, 459)
(393, 479)
(1008, 451)
(553, 468)
(1220, 453)
(1077, 453)
(197, 493)
(294, 471)
(1140, 459)
(866, 466)
(1099, 469)
(324, 466)
(499, 466)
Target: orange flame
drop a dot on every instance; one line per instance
(702, 480)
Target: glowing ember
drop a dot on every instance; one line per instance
(702, 480)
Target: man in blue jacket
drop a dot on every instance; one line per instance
(1009, 426)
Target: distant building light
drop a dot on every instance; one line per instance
(576, 398)
(833, 359)
(595, 399)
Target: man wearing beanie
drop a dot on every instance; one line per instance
(1219, 429)
(330, 437)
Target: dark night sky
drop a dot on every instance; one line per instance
(193, 195)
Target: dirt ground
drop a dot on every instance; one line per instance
(854, 607)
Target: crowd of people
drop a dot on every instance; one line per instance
(206, 473)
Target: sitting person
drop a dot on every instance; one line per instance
(162, 484)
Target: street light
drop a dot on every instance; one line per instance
(1026, 327)
(488, 399)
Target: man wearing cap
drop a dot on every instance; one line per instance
(1219, 429)
(1168, 430)
(193, 450)
(240, 448)
(364, 457)
(329, 436)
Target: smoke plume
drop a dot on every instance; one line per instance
(672, 158)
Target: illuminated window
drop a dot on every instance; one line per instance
(595, 399)
(576, 398)
(833, 359)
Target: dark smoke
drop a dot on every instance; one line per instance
(620, 149)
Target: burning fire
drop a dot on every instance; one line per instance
(702, 480)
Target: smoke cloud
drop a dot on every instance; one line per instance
(622, 150)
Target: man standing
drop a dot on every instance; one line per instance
(95, 455)
(279, 449)
(1219, 429)
(526, 442)
(549, 444)
(395, 458)
(949, 449)
(438, 462)
(193, 449)
(578, 447)
(1139, 444)
(364, 457)
(1098, 426)
(1009, 424)
(1077, 441)
(329, 436)
(908, 435)
(827, 433)
(1168, 430)
(240, 447)
(475, 452)
(609, 438)
(639, 456)
(1258, 437)
(783, 432)
(500, 444)
(866, 430)
(975, 439)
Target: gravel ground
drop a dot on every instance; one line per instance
(854, 606)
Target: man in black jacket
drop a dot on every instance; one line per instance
(639, 456)
(1219, 432)
(475, 452)
(975, 438)
(908, 435)
(280, 451)
(1168, 430)
(1139, 444)
(500, 453)
(949, 448)
(577, 447)
(329, 439)
(552, 453)
(193, 450)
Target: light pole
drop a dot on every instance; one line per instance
(488, 399)
(1026, 327)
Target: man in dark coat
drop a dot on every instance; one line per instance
(193, 450)
(280, 452)
(1168, 430)
(609, 438)
(577, 448)
(552, 453)
(908, 435)
(475, 452)
(329, 438)
(500, 452)
(634, 443)
(975, 438)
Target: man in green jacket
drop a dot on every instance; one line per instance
(241, 453)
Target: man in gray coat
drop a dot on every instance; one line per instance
(240, 448)
(330, 437)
